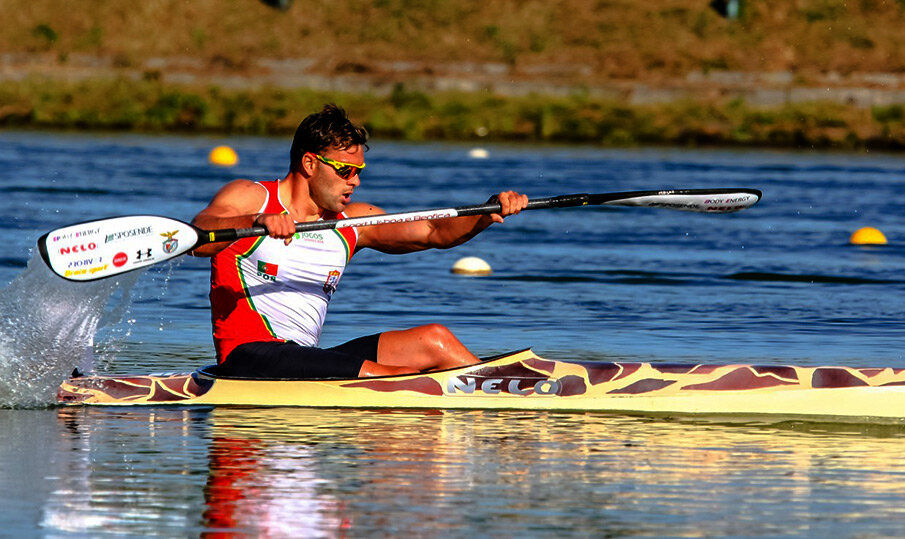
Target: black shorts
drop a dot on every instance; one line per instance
(290, 360)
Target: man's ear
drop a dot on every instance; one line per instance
(308, 164)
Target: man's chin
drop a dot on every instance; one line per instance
(337, 205)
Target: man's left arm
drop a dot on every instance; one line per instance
(435, 234)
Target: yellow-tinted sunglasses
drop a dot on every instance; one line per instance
(343, 170)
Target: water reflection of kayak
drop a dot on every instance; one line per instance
(523, 380)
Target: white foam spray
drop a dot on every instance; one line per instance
(47, 328)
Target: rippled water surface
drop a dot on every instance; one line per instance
(775, 284)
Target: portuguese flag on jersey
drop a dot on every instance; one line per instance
(267, 268)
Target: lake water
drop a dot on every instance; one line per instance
(775, 284)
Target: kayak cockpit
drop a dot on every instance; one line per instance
(216, 372)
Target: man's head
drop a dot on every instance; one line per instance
(329, 128)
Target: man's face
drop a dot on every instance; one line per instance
(329, 189)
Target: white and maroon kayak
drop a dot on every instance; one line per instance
(523, 380)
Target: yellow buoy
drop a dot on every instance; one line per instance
(223, 156)
(867, 236)
(471, 265)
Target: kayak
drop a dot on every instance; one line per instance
(522, 380)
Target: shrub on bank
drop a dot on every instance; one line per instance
(149, 105)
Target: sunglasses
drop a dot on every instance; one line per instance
(343, 170)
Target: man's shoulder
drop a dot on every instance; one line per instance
(360, 209)
(243, 189)
(244, 184)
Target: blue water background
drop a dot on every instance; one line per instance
(777, 283)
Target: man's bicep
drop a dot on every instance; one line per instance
(229, 208)
(399, 237)
(221, 209)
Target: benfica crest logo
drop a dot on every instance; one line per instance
(171, 243)
(332, 281)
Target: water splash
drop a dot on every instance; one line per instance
(47, 328)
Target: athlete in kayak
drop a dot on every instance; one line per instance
(269, 295)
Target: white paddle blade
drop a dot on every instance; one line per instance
(721, 202)
(98, 249)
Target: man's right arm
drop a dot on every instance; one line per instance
(234, 206)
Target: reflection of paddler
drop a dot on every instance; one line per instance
(232, 462)
(262, 486)
(265, 476)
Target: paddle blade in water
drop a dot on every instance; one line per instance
(97, 249)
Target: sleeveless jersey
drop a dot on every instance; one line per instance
(265, 290)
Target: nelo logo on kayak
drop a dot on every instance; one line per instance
(469, 385)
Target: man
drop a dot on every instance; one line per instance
(269, 295)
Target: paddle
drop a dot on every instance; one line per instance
(103, 248)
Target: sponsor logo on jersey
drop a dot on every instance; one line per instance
(315, 237)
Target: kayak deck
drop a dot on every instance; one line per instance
(523, 380)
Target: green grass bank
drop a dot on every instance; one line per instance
(149, 106)
(580, 45)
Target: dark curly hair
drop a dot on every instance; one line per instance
(329, 128)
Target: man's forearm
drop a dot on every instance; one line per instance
(212, 222)
(449, 233)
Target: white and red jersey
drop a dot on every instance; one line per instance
(265, 290)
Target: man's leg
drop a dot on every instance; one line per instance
(371, 368)
(430, 347)
(279, 359)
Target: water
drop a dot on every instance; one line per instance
(775, 284)
(49, 328)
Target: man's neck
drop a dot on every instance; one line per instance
(296, 196)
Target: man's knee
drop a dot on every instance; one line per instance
(436, 334)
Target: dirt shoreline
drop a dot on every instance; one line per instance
(757, 89)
